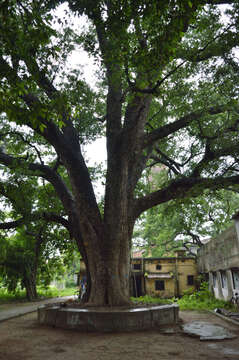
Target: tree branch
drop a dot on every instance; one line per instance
(182, 188)
(50, 130)
(210, 155)
(24, 140)
(181, 123)
(40, 170)
(226, 41)
(49, 217)
(163, 160)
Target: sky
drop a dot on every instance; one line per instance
(96, 152)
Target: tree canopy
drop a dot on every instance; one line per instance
(167, 95)
(37, 250)
(185, 223)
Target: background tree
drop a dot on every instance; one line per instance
(33, 249)
(168, 95)
(185, 223)
(35, 255)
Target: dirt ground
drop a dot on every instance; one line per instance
(23, 338)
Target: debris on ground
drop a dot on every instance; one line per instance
(207, 331)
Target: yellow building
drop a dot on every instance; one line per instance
(164, 277)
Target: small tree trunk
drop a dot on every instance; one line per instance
(30, 286)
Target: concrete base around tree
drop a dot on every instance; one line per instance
(108, 320)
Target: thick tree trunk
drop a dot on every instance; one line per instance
(108, 282)
(108, 268)
(108, 287)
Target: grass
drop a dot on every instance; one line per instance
(198, 300)
(20, 295)
(147, 299)
(54, 292)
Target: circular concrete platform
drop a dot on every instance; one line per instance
(108, 320)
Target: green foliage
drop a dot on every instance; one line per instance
(52, 292)
(17, 262)
(167, 96)
(38, 251)
(8, 297)
(70, 283)
(147, 299)
(202, 299)
(39, 259)
(20, 295)
(169, 226)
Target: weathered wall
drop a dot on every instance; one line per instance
(185, 268)
(167, 293)
(166, 274)
(173, 272)
(220, 253)
(220, 259)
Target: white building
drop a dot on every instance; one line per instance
(219, 259)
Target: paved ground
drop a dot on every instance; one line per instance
(22, 338)
(9, 311)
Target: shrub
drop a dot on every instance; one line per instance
(147, 299)
(202, 300)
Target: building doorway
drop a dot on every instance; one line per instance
(137, 285)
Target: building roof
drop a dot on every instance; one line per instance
(160, 276)
(138, 253)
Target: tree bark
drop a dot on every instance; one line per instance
(29, 283)
(107, 262)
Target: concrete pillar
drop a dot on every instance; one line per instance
(230, 284)
(236, 219)
(210, 285)
(219, 289)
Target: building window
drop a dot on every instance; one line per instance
(137, 266)
(159, 285)
(158, 267)
(190, 280)
(235, 278)
(224, 279)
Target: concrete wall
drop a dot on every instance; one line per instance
(165, 274)
(186, 267)
(220, 253)
(220, 259)
(106, 320)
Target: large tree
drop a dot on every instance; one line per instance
(168, 96)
